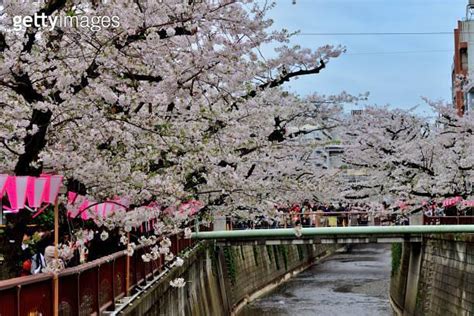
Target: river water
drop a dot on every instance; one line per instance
(352, 283)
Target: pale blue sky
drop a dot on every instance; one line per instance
(372, 62)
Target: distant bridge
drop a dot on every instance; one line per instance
(330, 235)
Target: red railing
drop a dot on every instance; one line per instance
(448, 220)
(83, 290)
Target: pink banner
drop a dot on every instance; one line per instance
(3, 183)
(35, 191)
(16, 191)
(51, 191)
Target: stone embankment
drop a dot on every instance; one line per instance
(221, 280)
(435, 277)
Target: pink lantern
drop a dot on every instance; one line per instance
(35, 191)
(16, 191)
(469, 203)
(452, 201)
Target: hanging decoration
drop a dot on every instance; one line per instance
(29, 192)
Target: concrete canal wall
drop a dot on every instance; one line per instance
(435, 277)
(221, 280)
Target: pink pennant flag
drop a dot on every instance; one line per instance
(3, 183)
(104, 209)
(72, 210)
(35, 191)
(193, 206)
(16, 191)
(99, 209)
(83, 209)
(123, 201)
(71, 197)
(119, 204)
(52, 188)
(108, 208)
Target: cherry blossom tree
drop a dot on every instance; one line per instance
(176, 101)
(405, 155)
(140, 108)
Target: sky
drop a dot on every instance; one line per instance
(397, 70)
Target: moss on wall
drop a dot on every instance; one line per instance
(230, 263)
(396, 257)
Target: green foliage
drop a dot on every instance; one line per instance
(230, 263)
(396, 257)
(46, 219)
(214, 254)
(71, 13)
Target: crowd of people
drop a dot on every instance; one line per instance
(308, 214)
(437, 209)
(317, 214)
(37, 253)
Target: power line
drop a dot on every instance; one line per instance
(374, 33)
(402, 52)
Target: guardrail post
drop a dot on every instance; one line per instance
(143, 265)
(56, 258)
(127, 269)
(18, 296)
(113, 284)
(78, 293)
(98, 290)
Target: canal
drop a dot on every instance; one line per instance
(354, 282)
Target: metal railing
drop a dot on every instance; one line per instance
(90, 288)
(448, 220)
(342, 219)
(310, 219)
